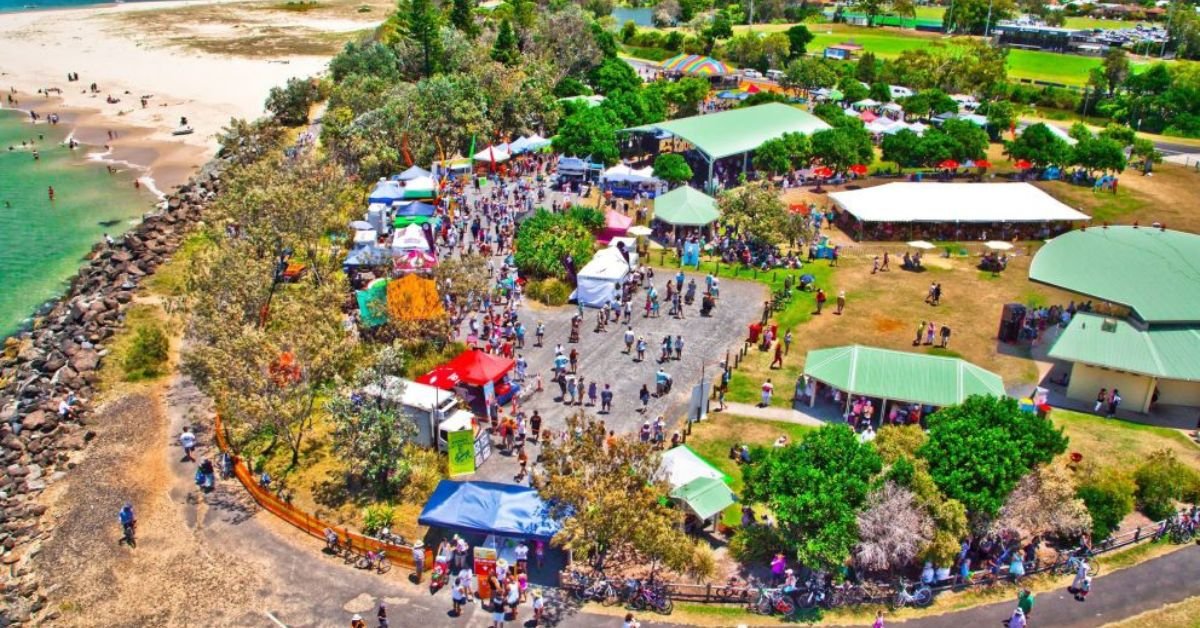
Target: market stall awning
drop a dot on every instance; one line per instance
(489, 508)
(687, 207)
(414, 172)
(476, 368)
(706, 497)
(680, 465)
(954, 202)
(696, 65)
(900, 375)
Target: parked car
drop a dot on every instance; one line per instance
(748, 73)
(775, 75)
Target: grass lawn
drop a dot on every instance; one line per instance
(885, 43)
(1123, 444)
(713, 437)
(1168, 197)
(1050, 66)
(1185, 614)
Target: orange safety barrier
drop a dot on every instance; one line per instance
(397, 554)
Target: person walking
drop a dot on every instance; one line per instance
(629, 338)
(641, 349)
(778, 361)
(458, 597)
(381, 615)
(920, 332)
(1081, 574)
(1025, 602)
(820, 299)
(778, 565)
(606, 398)
(678, 347)
(630, 622)
(644, 396)
(841, 302)
(592, 393)
(878, 623)
(539, 607)
(787, 342)
(187, 440)
(1114, 400)
(1017, 620)
(767, 390)
(540, 333)
(356, 621)
(418, 555)
(1101, 399)
(945, 335)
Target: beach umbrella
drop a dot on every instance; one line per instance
(922, 244)
(361, 225)
(949, 164)
(997, 245)
(983, 163)
(822, 172)
(639, 230)
(859, 169)
(1022, 164)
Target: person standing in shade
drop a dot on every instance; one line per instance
(1114, 401)
(1101, 399)
(458, 597)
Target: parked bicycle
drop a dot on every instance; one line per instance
(1066, 563)
(814, 594)
(652, 596)
(920, 597)
(374, 561)
(770, 601)
(735, 590)
(601, 590)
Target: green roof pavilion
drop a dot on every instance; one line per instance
(1154, 272)
(686, 206)
(737, 131)
(706, 497)
(1169, 352)
(901, 376)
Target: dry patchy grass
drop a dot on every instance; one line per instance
(1185, 614)
(1121, 444)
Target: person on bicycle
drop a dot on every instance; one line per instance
(128, 520)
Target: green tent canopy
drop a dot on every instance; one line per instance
(901, 376)
(705, 496)
(686, 206)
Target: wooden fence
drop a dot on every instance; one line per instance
(397, 554)
(711, 593)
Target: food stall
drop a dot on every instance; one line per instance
(477, 377)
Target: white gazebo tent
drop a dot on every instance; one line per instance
(599, 281)
(955, 203)
(494, 154)
(622, 173)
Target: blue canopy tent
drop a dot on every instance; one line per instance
(413, 213)
(386, 192)
(489, 508)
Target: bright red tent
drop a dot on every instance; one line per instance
(983, 163)
(1022, 164)
(949, 164)
(822, 172)
(859, 169)
(442, 377)
(476, 368)
(753, 89)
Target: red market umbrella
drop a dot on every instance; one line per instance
(443, 377)
(859, 169)
(822, 172)
(983, 163)
(949, 164)
(1022, 164)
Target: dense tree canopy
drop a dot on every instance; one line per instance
(672, 168)
(839, 148)
(545, 239)
(815, 488)
(979, 450)
(1040, 146)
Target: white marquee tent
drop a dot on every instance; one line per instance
(954, 202)
(498, 153)
(599, 281)
(621, 173)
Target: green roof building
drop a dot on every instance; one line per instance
(1151, 277)
(900, 376)
(737, 132)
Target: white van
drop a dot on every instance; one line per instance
(775, 75)
(752, 74)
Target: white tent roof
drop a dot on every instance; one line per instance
(411, 238)
(954, 202)
(499, 153)
(622, 172)
(885, 125)
(893, 107)
(681, 465)
(413, 395)
(866, 102)
(607, 263)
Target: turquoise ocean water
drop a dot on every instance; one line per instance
(42, 243)
(35, 5)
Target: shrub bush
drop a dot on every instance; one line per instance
(147, 353)
(377, 517)
(757, 544)
(1108, 495)
(549, 291)
(1161, 481)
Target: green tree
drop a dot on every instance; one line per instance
(905, 9)
(634, 108)
(840, 148)
(903, 148)
(807, 74)
(628, 31)
(614, 75)
(1001, 115)
(880, 92)
(1163, 480)
(590, 131)
(719, 28)
(1116, 68)
(1145, 150)
(815, 488)
(462, 17)
(672, 168)
(1108, 495)
(980, 449)
(611, 499)
(369, 58)
(970, 140)
(1098, 153)
(929, 102)
(866, 69)
(798, 39)
(852, 90)
(544, 239)
(971, 16)
(685, 95)
(754, 211)
(290, 104)
(872, 9)
(422, 24)
(147, 353)
(370, 431)
(505, 49)
(1038, 145)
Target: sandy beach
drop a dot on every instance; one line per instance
(203, 60)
